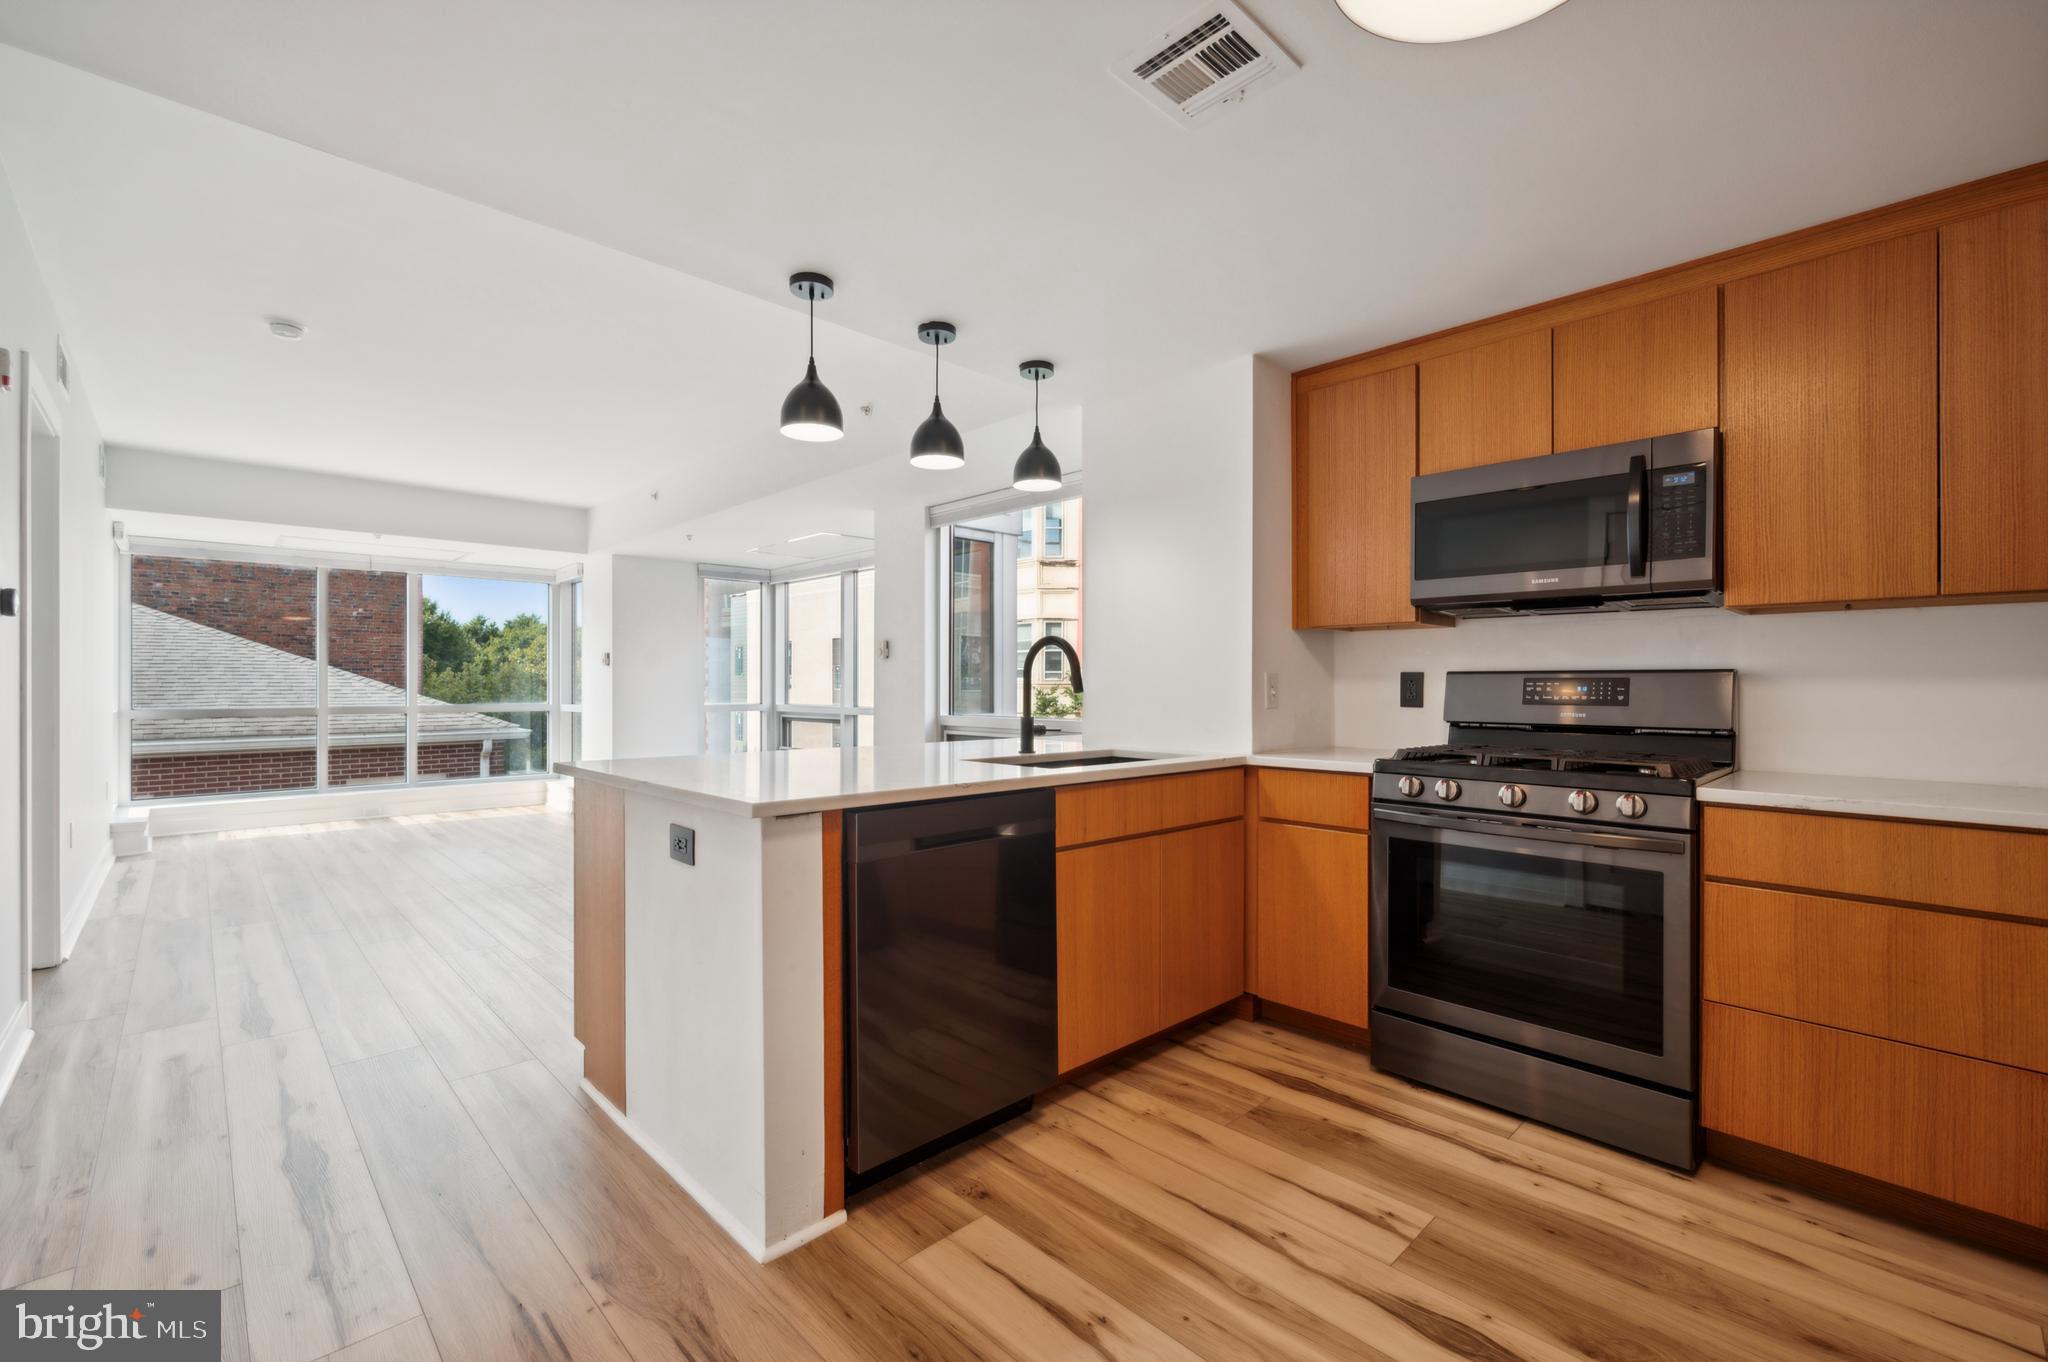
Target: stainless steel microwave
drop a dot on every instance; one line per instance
(1632, 526)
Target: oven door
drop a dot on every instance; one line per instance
(1568, 941)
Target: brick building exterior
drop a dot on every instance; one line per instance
(234, 635)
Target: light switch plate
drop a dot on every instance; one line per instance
(682, 844)
(1272, 690)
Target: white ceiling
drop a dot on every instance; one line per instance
(976, 161)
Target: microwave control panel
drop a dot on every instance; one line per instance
(1678, 512)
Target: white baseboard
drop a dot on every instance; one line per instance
(80, 908)
(370, 801)
(14, 1047)
(727, 1221)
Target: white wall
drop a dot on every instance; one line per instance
(1303, 664)
(657, 646)
(84, 609)
(597, 660)
(1956, 692)
(1169, 585)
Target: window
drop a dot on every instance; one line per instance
(250, 676)
(1011, 573)
(733, 698)
(569, 664)
(820, 691)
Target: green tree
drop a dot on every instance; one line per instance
(482, 661)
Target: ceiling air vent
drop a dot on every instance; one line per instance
(1212, 59)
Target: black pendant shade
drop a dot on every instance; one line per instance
(1037, 470)
(811, 412)
(937, 443)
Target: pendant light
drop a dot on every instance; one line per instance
(1037, 470)
(937, 442)
(1442, 21)
(811, 412)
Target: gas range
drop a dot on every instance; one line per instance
(1534, 898)
(1574, 746)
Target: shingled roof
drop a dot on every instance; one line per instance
(176, 663)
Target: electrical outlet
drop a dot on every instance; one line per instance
(682, 844)
(1272, 690)
(1411, 690)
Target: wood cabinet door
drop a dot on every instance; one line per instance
(1201, 921)
(1313, 901)
(1994, 402)
(1151, 933)
(1354, 454)
(1829, 420)
(1485, 405)
(1653, 369)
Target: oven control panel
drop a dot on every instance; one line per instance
(1575, 690)
(1678, 512)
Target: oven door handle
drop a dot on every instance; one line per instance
(1510, 827)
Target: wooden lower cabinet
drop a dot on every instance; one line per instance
(1151, 933)
(600, 936)
(1313, 920)
(1964, 1130)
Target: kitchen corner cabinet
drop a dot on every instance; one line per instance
(1485, 405)
(1994, 402)
(1830, 429)
(1311, 903)
(1639, 372)
(1151, 921)
(1354, 454)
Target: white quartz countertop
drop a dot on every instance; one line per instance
(1353, 760)
(1933, 801)
(772, 784)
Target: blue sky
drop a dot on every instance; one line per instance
(467, 597)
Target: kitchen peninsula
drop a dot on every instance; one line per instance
(707, 976)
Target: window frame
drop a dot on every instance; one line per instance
(320, 711)
(948, 522)
(775, 711)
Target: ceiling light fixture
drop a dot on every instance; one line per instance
(937, 443)
(811, 412)
(285, 329)
(1037, 470)
(1442, 21)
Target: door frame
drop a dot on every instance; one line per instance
(39, 575)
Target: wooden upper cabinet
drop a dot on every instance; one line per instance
(1653, 369)
(1830, 429)
(1994, 402)
(1486, 405)
(1354, 453)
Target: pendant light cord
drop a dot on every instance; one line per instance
(812, 295)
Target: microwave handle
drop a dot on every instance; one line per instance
(1638, 501)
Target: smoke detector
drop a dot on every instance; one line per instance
(1212, 59)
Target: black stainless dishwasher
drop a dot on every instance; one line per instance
(952, 952)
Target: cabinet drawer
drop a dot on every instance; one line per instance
(1967, 985)
(1327, 798)
(1130, 808)
(1981, 870)
(1955, 1128)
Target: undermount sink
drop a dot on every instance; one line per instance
(1053, 761)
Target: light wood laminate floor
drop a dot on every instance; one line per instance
(330, 1070)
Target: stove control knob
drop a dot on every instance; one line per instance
(1448, 789)
(1410, 786)
(1583, 801)
(1631, 806)
(1514, 796)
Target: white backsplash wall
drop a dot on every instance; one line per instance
(1948, 693)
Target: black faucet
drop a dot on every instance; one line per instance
(1026, 729)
